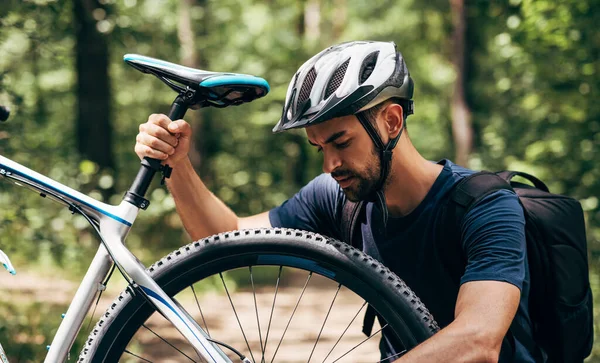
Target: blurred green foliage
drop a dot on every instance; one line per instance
(26, 330)
(533, 75)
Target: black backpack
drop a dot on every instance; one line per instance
(560, 298)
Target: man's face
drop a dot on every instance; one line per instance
(349, 155)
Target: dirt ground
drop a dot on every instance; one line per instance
(296, 345)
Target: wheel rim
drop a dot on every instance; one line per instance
(241, 249)
(278, 308)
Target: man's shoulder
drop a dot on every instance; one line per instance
(458, 172)
(314, 208)
(325, 181)
(323, 188)
(503, 198)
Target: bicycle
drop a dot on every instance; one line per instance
(402, 317)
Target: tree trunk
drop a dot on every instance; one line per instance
(461, 114)
(312, 21)
(41, 110)
(94, 130)
(339, 19)
(191, 58)
(309, 32)
(300, 26)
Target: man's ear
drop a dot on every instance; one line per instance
(393, 117)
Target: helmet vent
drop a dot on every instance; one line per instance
(367, 67)
(307, 86)
(295, 80)
(336, 79)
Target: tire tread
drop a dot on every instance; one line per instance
(192, 249)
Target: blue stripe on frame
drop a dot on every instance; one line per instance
(116, 218)
(157, 297)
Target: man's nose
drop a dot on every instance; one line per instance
(331, 161)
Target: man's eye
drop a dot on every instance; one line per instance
(342, 145)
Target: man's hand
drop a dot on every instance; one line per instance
(163, 139)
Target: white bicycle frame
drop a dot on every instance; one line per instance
(113, 224)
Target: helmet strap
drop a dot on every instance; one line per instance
(385, 157)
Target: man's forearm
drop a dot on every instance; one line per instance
(455, 343)
(201, 212)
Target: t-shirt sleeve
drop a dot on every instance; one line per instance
(493, 234)
(315, 208)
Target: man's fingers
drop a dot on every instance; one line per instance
(160, 133)
(159, 119)
(155, 143)
(159, 138)
(143, 151)
(180, 127)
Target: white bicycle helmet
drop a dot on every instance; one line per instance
(345, 79)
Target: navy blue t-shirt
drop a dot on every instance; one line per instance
(493, 238)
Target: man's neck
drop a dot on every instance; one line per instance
(411, 179)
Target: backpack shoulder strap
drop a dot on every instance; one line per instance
(351, 212)
(351, 234)
(475, 187)
(463, 195)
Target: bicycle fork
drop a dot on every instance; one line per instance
(113, 233)
(182, 321)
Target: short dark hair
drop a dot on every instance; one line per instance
(371, 113)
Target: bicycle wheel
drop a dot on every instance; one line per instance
(333, 279)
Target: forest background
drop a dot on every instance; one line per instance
(499, 85)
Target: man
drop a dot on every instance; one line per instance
(353, 100)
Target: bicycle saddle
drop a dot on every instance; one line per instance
(213, 88)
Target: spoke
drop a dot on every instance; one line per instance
(345, 330)
(199, 308)
(271, 316)
(324, 321)
(236, 316)
(91, 317)
(164, 340)
(359, 344)
(95, 306)
(394, 356)
(137, 356)
(292, 316)
(256, 309)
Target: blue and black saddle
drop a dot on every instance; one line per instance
(211, 88)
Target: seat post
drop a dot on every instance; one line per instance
(137, 192)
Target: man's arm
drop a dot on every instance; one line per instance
(488, 299)
(483, 314)
(202, 213)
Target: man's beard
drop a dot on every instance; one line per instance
(365, 181)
